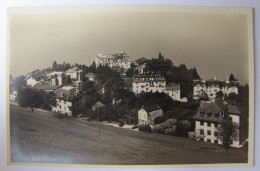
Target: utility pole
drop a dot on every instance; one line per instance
(129, 121)
(98, 121)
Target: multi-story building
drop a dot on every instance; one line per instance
(34, 77)
(13, 95)
(209, 117)
(75, 74)
(148, 82)
(119, 61)
(174, 91)
(140, 65)
(212, 86)
(68, 101)
(153, 82)
(56, 78)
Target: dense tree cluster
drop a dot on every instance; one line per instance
(174, 74)
(28, 97)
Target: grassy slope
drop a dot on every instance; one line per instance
(40, 137)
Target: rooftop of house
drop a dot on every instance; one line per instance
(58, 73)
(214, 111)
(45, 87)
(172, 86)
(72, 70)
(98, 105)
(233, 110)
(119, 55)
(150, 107)
(67, 88)
(209, 111)
(215, 82)
(66, 93)
(148, 77)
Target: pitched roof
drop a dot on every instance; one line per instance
(66, 93)
(151, 107)
(222, 106)
(213, 111)
(155, 114)
(98, 105)
(46, 87)
(209, 112)
(233, 110)
(172, 87)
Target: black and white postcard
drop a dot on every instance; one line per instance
(130, 85)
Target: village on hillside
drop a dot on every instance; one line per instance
(154, 95)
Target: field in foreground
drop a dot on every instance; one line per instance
(38, 137)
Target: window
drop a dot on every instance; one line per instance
(208, 124)
(216, 141)
(216, 125)
(201, 123)
(208, 140)
(216, 116)
(201, 132)
(209, 132)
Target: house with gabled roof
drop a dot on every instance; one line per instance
(68, 101)
(148, 113)
(209, 117)
(212, 86)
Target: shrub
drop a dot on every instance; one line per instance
(144, 128)
(170, 131)
(168, 127)
(171, 121)
(183, 127)
(134, 127)
(121, 124)
(158, 120)
(158, 129)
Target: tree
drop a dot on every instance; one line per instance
(232, 99)
(19, 82)
(11, 79)
(161, 66)
(54, 65)
(160, 56)
(158, 120)
(31, 98)
(231, 77)
(183, 127)
(228, 132)
(93, 68)
(219, 94)
(49, 99)
(131, 71)
(195, 74)
(140, 60)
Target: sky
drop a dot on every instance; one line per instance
(216, 44)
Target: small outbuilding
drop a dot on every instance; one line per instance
(148, 113)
